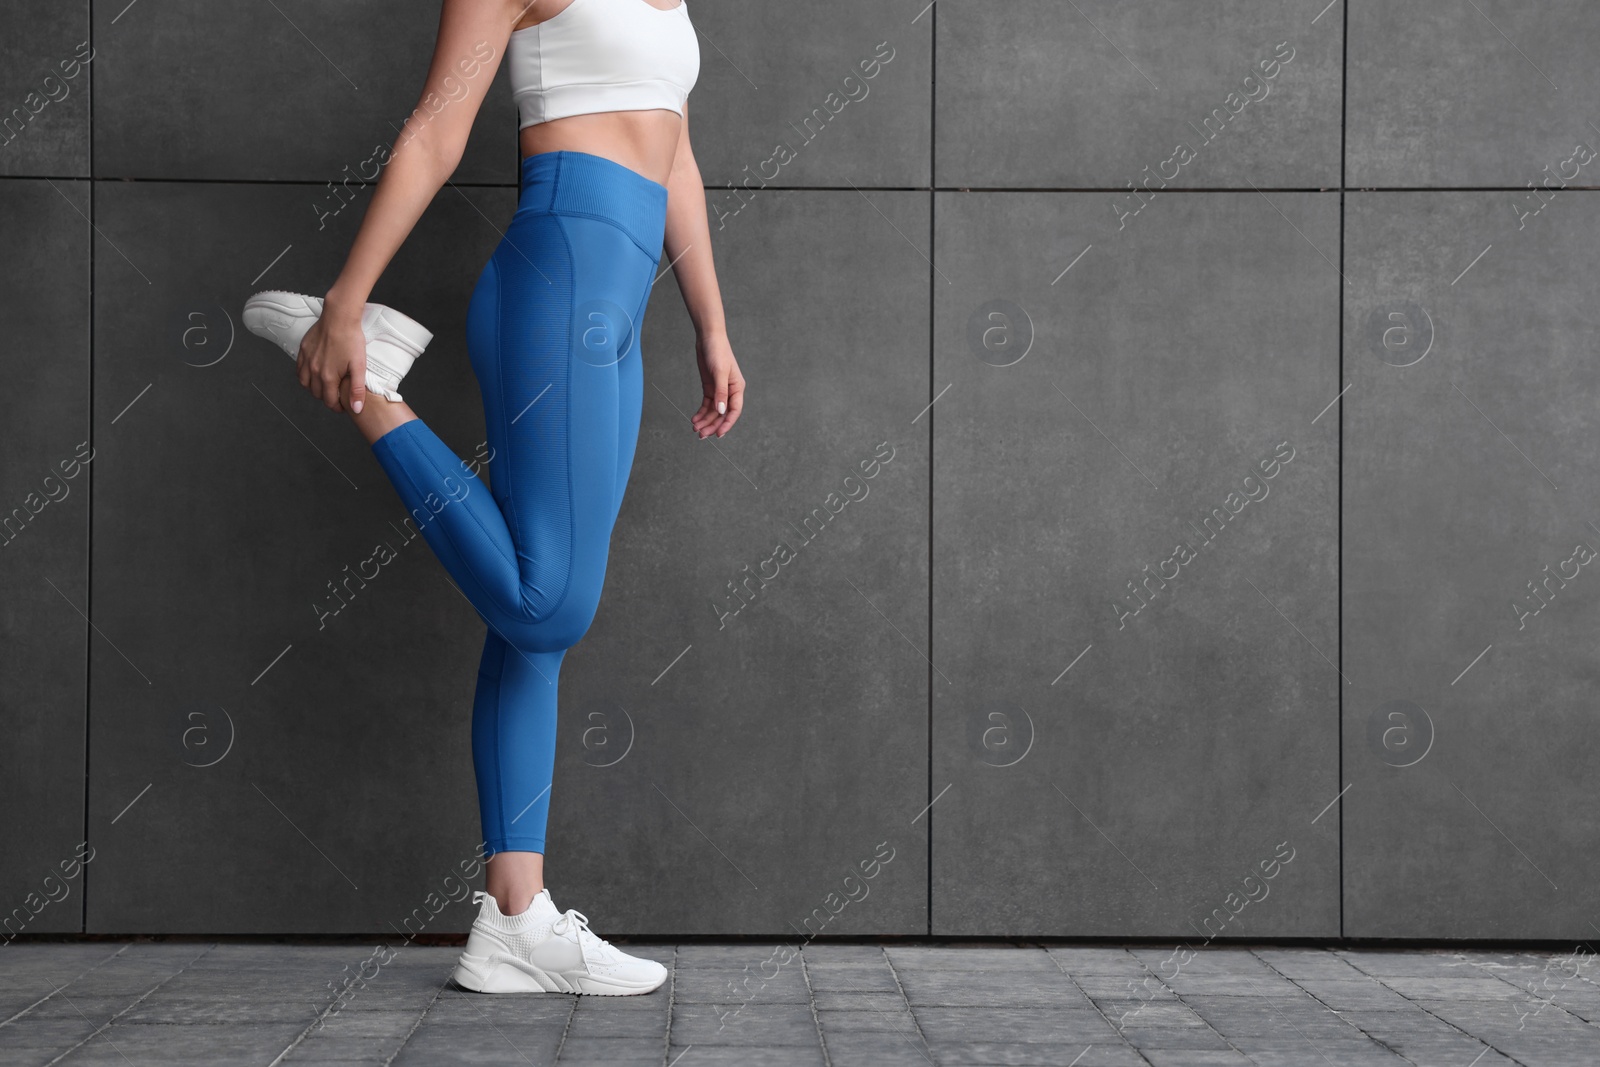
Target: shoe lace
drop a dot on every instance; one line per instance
(574, 920)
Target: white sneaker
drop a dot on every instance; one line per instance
(543, 950)
(394, 341)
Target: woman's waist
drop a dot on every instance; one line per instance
(644, 141)
(570, 182)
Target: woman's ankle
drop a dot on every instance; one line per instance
(378, 414)
(512, 904)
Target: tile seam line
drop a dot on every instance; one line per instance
(811, 1001)
(566, 1027)
(1098, 1010)
(61, 989)
(409, 1033)
(1340, 1015)
(88, 522)
(900, 987)
(672, 1003)
(1178, 997)
(774, 187)
(1559, 1007)
(103, 1027)
(933, 254)
(1338, 563)
(1418, 1005)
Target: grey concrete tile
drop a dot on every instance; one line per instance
(1152, 1013)
(889, 1018)
(1096, 97)
(44, 513)
(1498, 97)
(1299, 963)
(361, 1024)
(750, 1024)
(1136, 987)
(38, 1033)
(1053, 1055)
(1266, 985)
(240, 123)
(1425, 1045)
(598, 1022)
(221, 1008)
(1196, 1057)
(501, 1043)
(1097, 962)
(1457, 987)
(695, 986)
(1330, 1029)
(822, 953)
(1173, 1037)
(1406, 963)
(1410, 1018)
(1212, 962)
(867, 1048)
(234, 1043)
(67, 1005)
(856, 978)
(840, 122)
(1554, 1051)
(1355, 994)
(1051, 989)
(1271, 1016)
(1447, 1056)
(606, 1051)
(44, 81)
(735, 957)
(49, 963)
(1411, 434)
(828, 1000)
(962, 959)
(740, 1056)
(1078, 1054)
(322, 1048)
(542, 1009)
(1012, 1025)
(1047, 405)
(1328, 1055)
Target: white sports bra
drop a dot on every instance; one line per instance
(603, 55)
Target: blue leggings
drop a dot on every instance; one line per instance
(552, 336)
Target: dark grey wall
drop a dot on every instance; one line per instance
(1187, 598)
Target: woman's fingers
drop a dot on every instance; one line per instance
(721, 406)
(699, 419)
(330, 389)
(358, 383)
(735, 406)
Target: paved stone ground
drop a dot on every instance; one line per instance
(173, 1003)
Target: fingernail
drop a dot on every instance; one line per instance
(722, 407)
(357, 407)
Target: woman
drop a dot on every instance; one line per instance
(607, 176)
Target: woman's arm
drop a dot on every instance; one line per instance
(688, 249)
(472, 39)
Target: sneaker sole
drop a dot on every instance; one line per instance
(506, 974)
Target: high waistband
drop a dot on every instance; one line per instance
(578, 183)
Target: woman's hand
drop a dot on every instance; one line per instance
(334, 348)
(723, 385)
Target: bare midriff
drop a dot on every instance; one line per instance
(642, 141)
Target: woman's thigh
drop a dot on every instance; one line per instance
(553, 335)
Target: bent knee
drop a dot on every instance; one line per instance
(557, 628)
